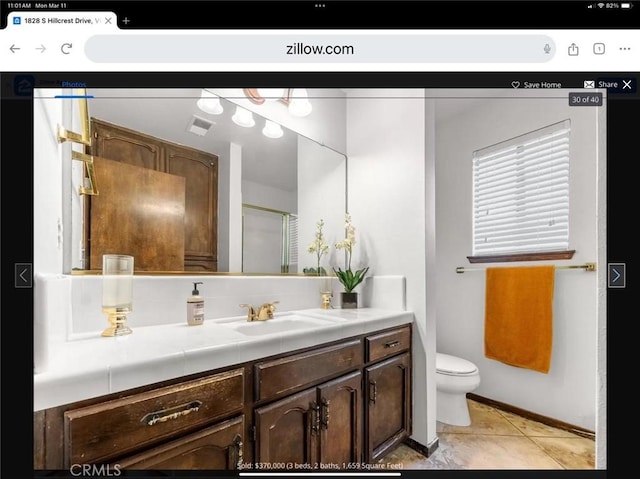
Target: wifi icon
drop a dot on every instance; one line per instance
(601, 5)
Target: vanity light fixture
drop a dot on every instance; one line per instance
(272, 94)
(272, 129)
(243, 117)
(210, 103)
(296, 99)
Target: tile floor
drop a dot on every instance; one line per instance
(500, 440)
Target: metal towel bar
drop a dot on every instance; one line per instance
(586, 267)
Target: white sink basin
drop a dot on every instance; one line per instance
(281, 323)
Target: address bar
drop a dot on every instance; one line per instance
(234, 47)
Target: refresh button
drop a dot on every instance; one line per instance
(65, 48)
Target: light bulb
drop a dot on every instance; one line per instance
(299, 104)
(272, 129)
(210, 103)
(243, 117)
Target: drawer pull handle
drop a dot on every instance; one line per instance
(373, 392)
(235, 452)
(392, 344)
(171, 413)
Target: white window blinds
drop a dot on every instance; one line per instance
(293, 239)
(521, 193)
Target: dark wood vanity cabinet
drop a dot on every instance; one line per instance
(196, 423)
(388, 405)
(331, 406)
(318, 426)
(387, 385)
(321, 424)
(198, 211)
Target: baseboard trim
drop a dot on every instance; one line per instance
(426, 451)
(580, 431)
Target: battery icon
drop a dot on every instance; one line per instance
(625, 5)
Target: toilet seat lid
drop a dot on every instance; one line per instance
(448, 364)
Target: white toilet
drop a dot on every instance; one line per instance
(455, 377)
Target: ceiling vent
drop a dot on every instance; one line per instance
(199, 126)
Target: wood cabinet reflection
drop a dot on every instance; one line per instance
(146, 223)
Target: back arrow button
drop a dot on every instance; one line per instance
(13, 48)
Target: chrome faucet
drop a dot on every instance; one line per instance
(265, 311)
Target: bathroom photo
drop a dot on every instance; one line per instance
(318, 278)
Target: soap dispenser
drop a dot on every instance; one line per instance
(195, 307)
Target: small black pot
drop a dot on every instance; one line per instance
(349, 300)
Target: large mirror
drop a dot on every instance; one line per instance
(194, 190)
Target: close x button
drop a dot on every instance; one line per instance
(618, 84)
(617, 275)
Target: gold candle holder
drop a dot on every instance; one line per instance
(326, 293)
(117, 292)
(326, 300)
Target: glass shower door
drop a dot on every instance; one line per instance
(269, 241)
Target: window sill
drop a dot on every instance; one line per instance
(503, 258)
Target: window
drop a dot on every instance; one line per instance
(521, 194)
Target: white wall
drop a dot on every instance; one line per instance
(388, 160)
(47, 214)
(269, 197)
(568, 392)
(53, 239)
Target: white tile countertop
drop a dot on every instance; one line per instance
(90, 365)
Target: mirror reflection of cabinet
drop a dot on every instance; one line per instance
(199, 170)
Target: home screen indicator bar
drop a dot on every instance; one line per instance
(320, 474)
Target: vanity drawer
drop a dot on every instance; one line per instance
(286, 374)
(387, 344)
(107, 430)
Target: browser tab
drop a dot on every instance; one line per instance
(50, 21)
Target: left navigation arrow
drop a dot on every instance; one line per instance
(23, 275)
(13, 48)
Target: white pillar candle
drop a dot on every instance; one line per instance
(117, 285)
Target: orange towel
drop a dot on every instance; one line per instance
(518, 325)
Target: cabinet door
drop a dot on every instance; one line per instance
(388, 405)
(341, 421)
(200, 170)
(217, 447)
(120, 224)
(288, 430)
